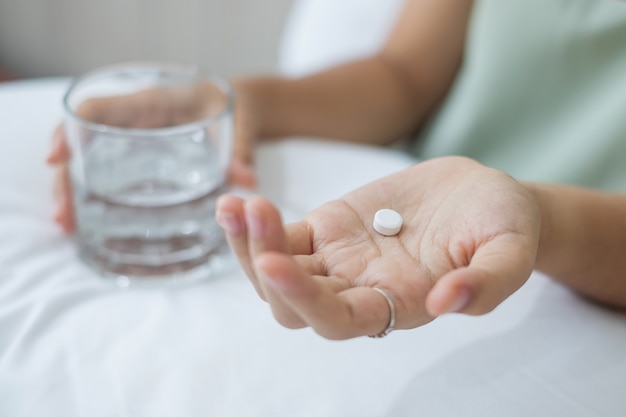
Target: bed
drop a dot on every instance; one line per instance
(72, 344)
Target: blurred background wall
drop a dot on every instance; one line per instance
(67, 37)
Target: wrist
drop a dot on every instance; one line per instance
(559, 234)
(546, 225)
(256, 103)
(582, 240)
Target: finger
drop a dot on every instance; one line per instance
(148, 108)
(230, 216)
(64, 215)
(496, 271)
(264, 222)
(246, 128)
(357, 311)
(59, 152)
(129, 110)
(242, 171)
(288, 317)
(59, 183)
(267, 234)
(242, 175)
(243, 146)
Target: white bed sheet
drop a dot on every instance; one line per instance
(72, 345)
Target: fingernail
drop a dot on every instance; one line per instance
(460, 301)
(254, 221)
(255, 224)
(229, 223)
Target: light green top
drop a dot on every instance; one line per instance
(542, 93)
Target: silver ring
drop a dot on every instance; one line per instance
(392, 311)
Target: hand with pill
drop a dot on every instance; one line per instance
(466, 239)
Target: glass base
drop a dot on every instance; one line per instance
(124, 275)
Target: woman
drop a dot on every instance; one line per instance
(530, 88)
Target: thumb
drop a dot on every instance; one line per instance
(497, 270)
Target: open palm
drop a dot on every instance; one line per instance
(469, 240)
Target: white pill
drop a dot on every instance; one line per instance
(387, 222)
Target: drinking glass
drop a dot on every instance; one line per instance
(150, 151)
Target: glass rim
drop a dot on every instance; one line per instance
(224, 86)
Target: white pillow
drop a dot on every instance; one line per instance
(323, 33)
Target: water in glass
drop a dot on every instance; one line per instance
(146, 207)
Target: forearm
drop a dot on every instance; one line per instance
(362, 101)
(583, 240)
(374, 100)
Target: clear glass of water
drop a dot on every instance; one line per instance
(151, 147)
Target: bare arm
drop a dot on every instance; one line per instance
(377, 99)
(583, 240)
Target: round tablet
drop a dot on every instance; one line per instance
(387, 222)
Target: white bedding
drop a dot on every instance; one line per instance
(72, 345)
